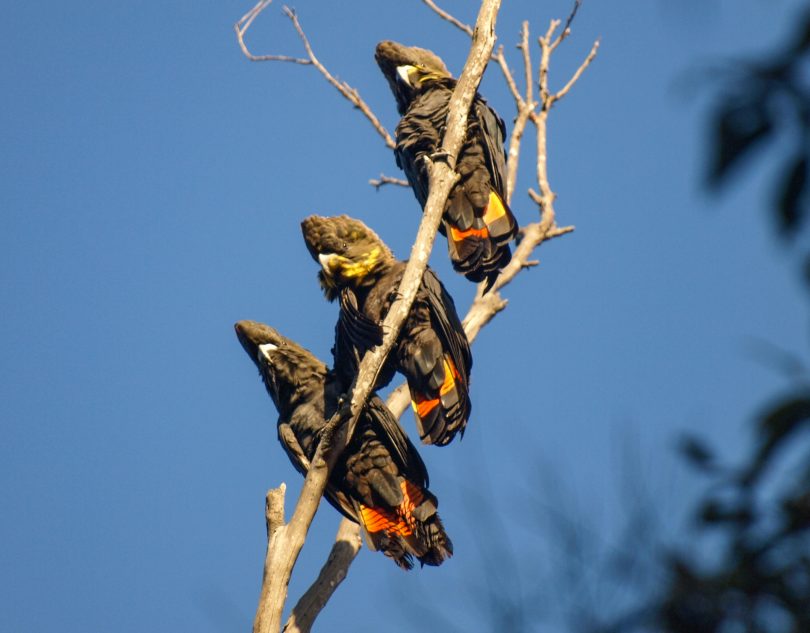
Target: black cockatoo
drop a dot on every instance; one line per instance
(477, 221)
(379, 481)
(432, 350)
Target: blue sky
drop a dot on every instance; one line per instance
(153, 181)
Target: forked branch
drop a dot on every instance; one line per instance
(243, 25)
(334, 571)
(287, 540)
(342, 87)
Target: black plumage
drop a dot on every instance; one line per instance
(432, 350)
(379, 481)
(477, 221)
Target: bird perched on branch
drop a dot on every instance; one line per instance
(379, 481)
(477, 221)
(432, 350)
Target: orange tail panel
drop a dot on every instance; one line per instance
(400, 521)
(423, 405)
(495, 209)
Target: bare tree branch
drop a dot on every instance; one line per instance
(287, 540)
(243, 25)
(497, 57)
(334, 571)
(567, 28)
(345, 89)
(444, 15)
(342, 87)
(564, 90)
(388, 180)
(507, 75)
(527, 60)
(274, 518)
(525, 107)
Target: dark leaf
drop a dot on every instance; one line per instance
(793, 194)
(802, 43)
(776, 425)
(714, 512)
(697, 453)
(797, 511)
(739, 126)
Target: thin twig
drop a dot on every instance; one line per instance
(345, 89)
(507, 75)
(575, 77)
(567, 28)
(498, 56)
(525, 108)
(243, 25)
(527, 60)
(524, 114)
(342, 87)
(444, 15)
(545, 55)
(387, 180)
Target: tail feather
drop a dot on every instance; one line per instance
(500, 222)
(481, 249)
(410, 530)
(440, 415)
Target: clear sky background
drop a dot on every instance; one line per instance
(152, 181)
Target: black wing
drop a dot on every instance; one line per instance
(447, 322)
(355, 334)
(434, 355)
(419, 134)
(494, 134)
(402, 450)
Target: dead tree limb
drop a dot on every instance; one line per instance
(388, 180)
(334, 571)
(286, 541)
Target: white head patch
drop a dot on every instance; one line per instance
(404, 73)
(324, 259)
(265, 349)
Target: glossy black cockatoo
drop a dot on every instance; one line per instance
(432, 350)
(379, 481)
(477, 221)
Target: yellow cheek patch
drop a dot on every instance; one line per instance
(350, 269)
